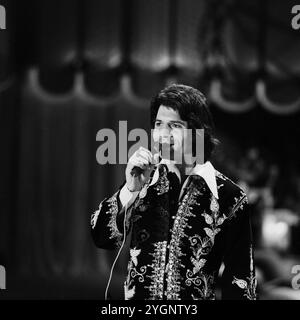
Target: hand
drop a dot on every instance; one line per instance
(143, 161)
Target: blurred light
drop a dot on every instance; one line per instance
(276, 234)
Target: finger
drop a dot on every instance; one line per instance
(137, 155)
(141, 154)
(144, 150)
(145, 155)
(155, 158)
(139, 162)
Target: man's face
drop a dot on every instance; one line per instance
(170, 132)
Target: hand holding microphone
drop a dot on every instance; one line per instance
(139, 168)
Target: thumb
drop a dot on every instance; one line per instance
(155, 159)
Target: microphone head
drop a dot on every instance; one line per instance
(136, 171)
(166, 150)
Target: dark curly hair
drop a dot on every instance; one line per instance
(192, 107)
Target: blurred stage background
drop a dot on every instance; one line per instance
(70, 68)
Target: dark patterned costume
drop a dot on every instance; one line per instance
(178, 246)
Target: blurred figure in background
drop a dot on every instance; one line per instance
(274, 201)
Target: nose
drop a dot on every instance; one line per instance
(164, 134)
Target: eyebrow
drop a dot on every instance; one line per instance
(172, 121)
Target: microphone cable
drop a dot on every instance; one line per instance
(146, 185)
(118, 254)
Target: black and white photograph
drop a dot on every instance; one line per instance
(150, 151)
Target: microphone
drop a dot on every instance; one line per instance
(136, 171)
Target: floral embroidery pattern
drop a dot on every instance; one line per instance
(175, 253)
(207, 291)
(249, 285)
(129, 293)
(201, 248)
(112, 224)
(94, 216)
(158, 270)
(239, 203)
(220, 175)
(177, 265)
(163, 183)
(133, 273)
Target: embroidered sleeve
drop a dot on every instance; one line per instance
(107, 223)
(238, 278)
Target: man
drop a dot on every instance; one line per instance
(186, 219)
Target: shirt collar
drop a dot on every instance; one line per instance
(208, 173)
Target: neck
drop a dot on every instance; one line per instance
(184, 169)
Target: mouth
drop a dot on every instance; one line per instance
(166, 150)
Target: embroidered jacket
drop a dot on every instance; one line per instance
(178, 246)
